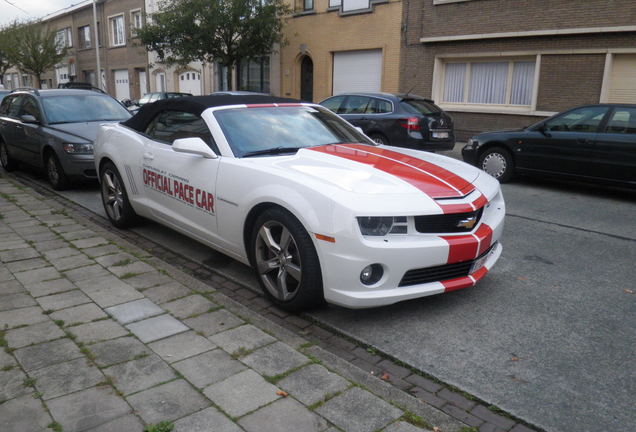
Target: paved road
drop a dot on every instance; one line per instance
(548, 336)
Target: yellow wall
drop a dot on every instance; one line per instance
(325, 32)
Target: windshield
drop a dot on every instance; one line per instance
(420, 106)
(251, 130)
(83, 108)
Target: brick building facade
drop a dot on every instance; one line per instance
(502, 64)
(341, 45)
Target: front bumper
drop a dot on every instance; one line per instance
(470, 154)
(343, 261)
(78, 166)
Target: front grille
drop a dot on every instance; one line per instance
(439, 273)
(446, 223)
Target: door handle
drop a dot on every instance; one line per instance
(148, 156)
(584, 141)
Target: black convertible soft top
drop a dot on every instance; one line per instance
(196, 105)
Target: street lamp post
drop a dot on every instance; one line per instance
(98, 73)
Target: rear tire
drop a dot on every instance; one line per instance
(497, 162)
(285, 261)
(55, 173)
(379, 139)
(115, 199)
(8, 163)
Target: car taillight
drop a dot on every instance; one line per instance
(411, 124)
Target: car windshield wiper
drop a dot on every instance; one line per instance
(274, 150)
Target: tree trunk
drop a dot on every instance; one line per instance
(37, 81)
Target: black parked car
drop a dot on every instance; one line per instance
(596, 142)
(402, 120)
(55, 130)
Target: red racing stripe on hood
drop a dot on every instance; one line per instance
(453, 180)
(407, 169)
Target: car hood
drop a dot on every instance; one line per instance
(357, 170)
(85, 130)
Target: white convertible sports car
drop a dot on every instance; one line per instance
(319, 210)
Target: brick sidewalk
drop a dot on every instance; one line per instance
(99, 336)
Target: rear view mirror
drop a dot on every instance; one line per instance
(195, 146)
(28, 118)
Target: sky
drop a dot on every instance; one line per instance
(34, 8)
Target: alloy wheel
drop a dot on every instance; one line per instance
(278, 260)
(4, 156)
(113, 195)
(52, 171)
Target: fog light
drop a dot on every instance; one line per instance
(371, 274)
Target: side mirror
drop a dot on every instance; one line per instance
(543, 130)
(359, 129)
(195, 146)
(28, 118)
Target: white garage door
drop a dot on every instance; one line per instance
(357, 71)
(122, 90)
(190, 82)
(623, 79)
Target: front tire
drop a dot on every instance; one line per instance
(55, 173)
(497, 162)
(285, 261)
(7, 162)
(115, 199)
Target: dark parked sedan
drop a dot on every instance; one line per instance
(153, 97)
(55, 129)
(396, 119)
(595, 142)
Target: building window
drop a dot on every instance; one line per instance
(308, 5)
(222, 84)
(254, 75)
(116, 26)
(334, 3)
(84, 36)
(489, 82)
(135, 21)
(353, 5)
(63, 39)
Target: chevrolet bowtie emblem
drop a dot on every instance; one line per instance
(467, 223)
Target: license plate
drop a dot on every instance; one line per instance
(479, 262)
(440, 134)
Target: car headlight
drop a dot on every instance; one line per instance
(472, 143)
(382, 225)
(84, 148)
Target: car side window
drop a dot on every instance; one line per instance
(14, 106)
(333, 103)
(355, 105)
(4, 106)
(168, 126)
(622, 121)
(379, 106)
(30, 107)
(585, 119)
